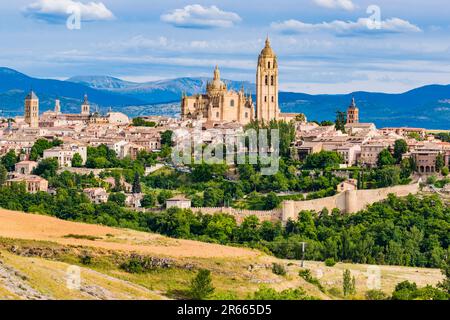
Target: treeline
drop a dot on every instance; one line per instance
(408, 231)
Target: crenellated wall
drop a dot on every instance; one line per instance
(349, 202)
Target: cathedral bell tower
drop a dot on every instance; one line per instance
(85, 107)
(32, 110)
(267, 108)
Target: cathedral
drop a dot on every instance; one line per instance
(218, 104)
(222, 105)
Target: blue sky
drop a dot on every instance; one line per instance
(324, 46)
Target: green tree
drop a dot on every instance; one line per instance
(10, 160)
(271, 201)
(37, 151)
(400, 148)
(47, 168)
(440, 162)
(77, 161)
(341, 121)
(445, 284)
(323, 160)
(163, 196)
(348, 283)
(117, 198)
(3, 174)
(385, 158)
(136, 183)
(201, 286)
(148, 201)
(166, 138)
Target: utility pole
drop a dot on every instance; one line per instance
(303, 244)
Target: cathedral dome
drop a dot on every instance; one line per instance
(216, 84)
(267, 51)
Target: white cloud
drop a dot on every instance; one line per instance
(60, 10)
(199, 17)
(346, 28)
(336, 4)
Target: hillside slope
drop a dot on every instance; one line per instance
(36, 251)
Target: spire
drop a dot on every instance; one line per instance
(267, 41)
(86, 99)
(217, 73)
(353, 105)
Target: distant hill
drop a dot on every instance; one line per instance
(427, 106)
(162, 91)
(14, 86)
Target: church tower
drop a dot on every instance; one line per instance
(353, 113)
(32, 110)
(267, 108)
(85, 107)
(57, 106)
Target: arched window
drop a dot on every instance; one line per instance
(272, 80)
(232, 103)
(273, 99)
(268, 65)
(265, 98)
(217, 114)
(246, 115)
(267, 80)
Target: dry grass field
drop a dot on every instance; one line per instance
(36, 252)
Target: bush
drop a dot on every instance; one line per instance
(330, 262)
(86, 259)
(306, 274)
(376, 295)
(265, 293)
(445, 171)
(278, 269)
(201, 286)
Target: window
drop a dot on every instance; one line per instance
(217, 114)
(232, 103)
(268, 65)
(273, 99)
(246, 115)
(265, 98)
(267, 80)
(272, 80)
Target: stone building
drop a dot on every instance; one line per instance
(96, 195)
(353, 113)
(221, 105)
(32, 183)
(85, 107)
(267, 107)
(65, 153)
(25, 167)
(32, 110)
(218, 104)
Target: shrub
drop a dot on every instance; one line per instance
(278, 269)
(376, 295)
(306, 274)
(86, 259)
(330, 262)
(265, 293)
(141, 264)
(201, 286)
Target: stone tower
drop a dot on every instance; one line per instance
(353, 113)
(85, 107)
(57, 106)
(32, 110)
(267, 108)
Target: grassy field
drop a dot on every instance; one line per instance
(36, 253)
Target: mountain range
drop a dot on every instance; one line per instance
(427, 106)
